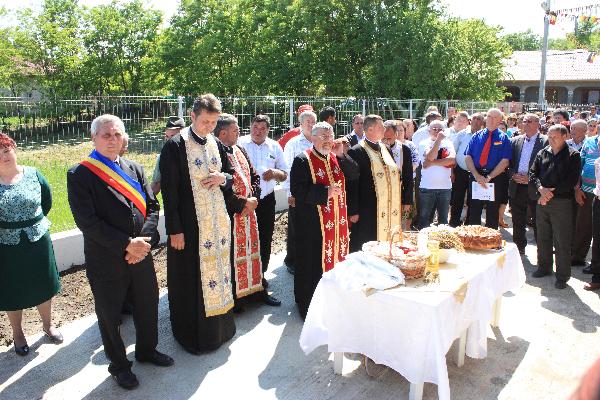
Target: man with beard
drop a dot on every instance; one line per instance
(247, 276)
(318, 185)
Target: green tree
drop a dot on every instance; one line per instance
(50, 42)
(120, 41)
(527, 40)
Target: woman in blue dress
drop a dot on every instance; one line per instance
(27, 265)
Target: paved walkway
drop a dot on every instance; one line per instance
(546, 340)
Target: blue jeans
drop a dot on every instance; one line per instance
(433, 200)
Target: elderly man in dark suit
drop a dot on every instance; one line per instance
(524, 149)
(114, 207)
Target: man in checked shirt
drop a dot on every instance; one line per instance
(267, 157)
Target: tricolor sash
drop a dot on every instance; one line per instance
(333, 216)
(386, 179)
(246, 246)
(214, 235)
(116, 178)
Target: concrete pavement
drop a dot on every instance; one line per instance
(546, 340)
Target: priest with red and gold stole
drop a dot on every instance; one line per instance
(318, 184)
(246, 266)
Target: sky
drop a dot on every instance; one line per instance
(512, 15)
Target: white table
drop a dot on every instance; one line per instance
(411, 328)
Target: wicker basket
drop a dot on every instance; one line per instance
(412, 265)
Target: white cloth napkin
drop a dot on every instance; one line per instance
(362, 271)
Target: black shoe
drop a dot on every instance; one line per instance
(587, 270)
(560, 284)
(157, 358)
(270, 300)
(56, 339)
(22, 350)
(126, 379)
(291, 269)
(578, 263)
(540, 272)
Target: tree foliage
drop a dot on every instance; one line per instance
(390, 48)
(523, 41)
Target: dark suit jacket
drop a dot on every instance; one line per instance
(517, 145)
(352, 139)
(108, 220)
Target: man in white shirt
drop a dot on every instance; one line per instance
(294, 147)
(421, 134)
(267, 157)
(437, 157)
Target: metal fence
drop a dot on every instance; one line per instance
(39, 123)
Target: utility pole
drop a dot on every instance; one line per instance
(542, 93)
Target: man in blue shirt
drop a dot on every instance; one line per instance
(487, 156)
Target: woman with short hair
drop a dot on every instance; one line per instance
(27, 263)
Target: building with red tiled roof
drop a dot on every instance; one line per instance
(570, 78)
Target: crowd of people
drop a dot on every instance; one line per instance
(218, 191)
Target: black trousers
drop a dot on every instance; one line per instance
(554, 227)
(492, 208)
(265, 218)
(596, 241)
(460, 188)
(582, 228)
(415, 221)
(290, 260)
(140, 281)
(519, 204)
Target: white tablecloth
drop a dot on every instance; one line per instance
(411, 328)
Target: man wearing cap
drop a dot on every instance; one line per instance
(174, 125)
(487, 156)
(294, 131)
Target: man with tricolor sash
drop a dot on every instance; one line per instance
(196, 180)
(246, 266)
(382, 191)
(116, 211)
(318, 185)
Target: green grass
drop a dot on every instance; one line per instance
(54, 162)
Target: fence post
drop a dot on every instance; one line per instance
(292, 113)
(471, 108)
(364, 107)
(180, 110)
(446, 108)
(410, 116)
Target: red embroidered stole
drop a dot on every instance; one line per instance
(246, 256)
(333, 215)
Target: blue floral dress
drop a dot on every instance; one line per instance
(28, 274)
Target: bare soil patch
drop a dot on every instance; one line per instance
(75, 299)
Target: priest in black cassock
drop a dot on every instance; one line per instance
(382, 192)
(317, 182)
(196, 180)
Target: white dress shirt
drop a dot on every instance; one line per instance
(264, 156)
(526, 150)
(294, 147)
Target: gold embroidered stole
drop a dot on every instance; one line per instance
(386, 179)
(246, 245)
(214, 233)
(333, 216)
